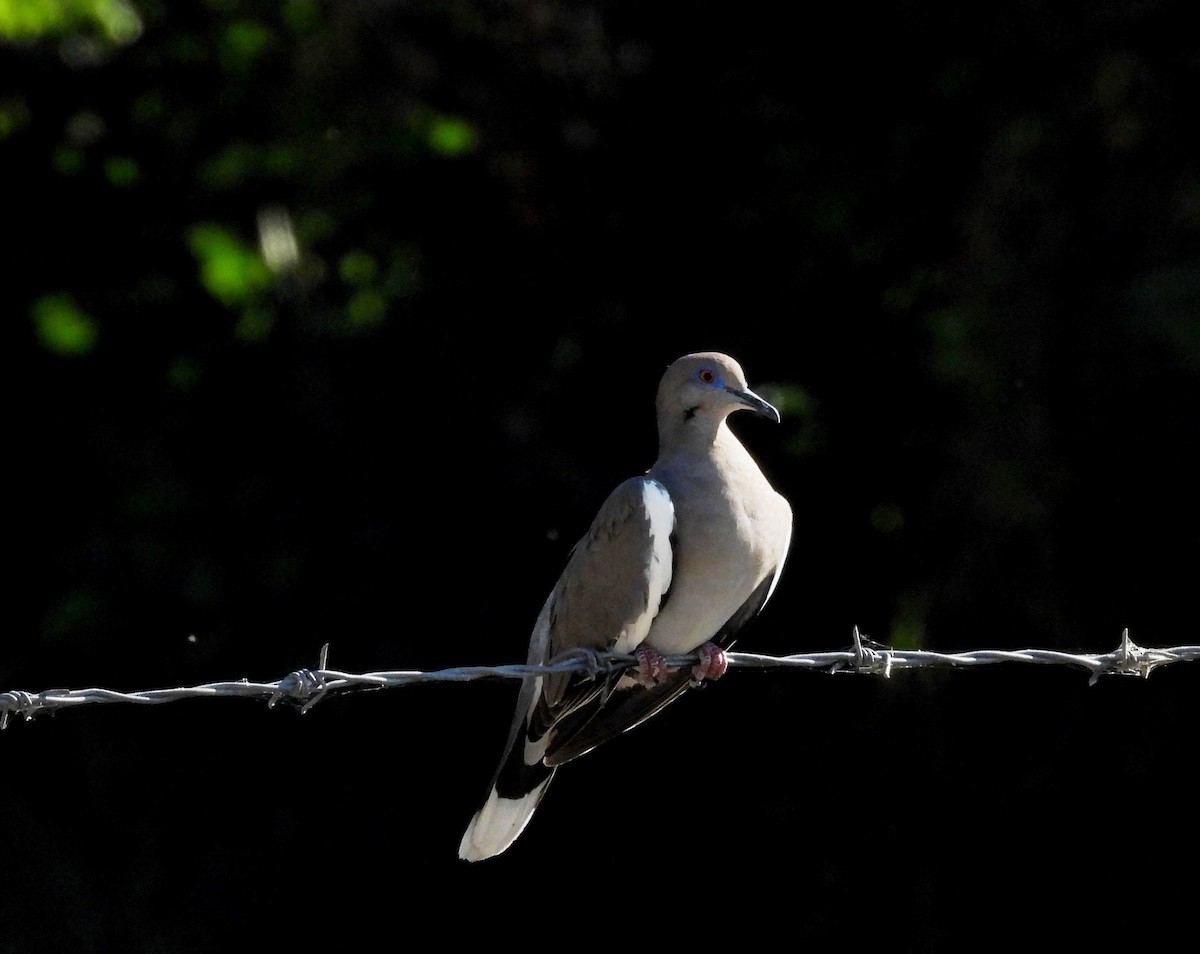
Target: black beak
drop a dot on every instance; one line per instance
(755, 403)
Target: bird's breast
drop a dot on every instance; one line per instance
(719, 562)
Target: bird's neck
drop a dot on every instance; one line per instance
(698, 438)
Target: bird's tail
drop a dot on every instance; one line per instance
(507, 809)
(519, 784)
(523, 777)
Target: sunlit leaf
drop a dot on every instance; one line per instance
(451, 136)
(63, 327)
(114, 20)
(231, 270)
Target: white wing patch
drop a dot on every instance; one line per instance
(660, 513)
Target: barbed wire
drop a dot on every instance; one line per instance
(306, 687)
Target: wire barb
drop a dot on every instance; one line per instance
(866, 656)
(307, 687)
(1130, 659)
(595, 663)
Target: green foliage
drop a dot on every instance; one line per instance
(63, 327)
(366, 306)
(114, 20)
(68, 160)
(450, 136)
(241, 162)
(302, 16)
(262, 251)
(231, 270)
(243, 44)
(790, 399)
(122, 171)
(358, 267)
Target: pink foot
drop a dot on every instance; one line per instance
(712, 665)
(651, 668)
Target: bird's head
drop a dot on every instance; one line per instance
(707, 384)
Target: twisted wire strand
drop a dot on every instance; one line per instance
(306, 687)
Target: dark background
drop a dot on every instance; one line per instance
(960, 251)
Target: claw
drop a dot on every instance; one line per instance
(712, 665)
(651, 669)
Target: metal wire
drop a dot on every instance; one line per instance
(306, 687)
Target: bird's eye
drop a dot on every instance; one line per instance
(707, 376)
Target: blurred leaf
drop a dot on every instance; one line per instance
(301, 15)
(229, 167)
(242, 161)
(451, 136)
(357, 267)
(122, 171)
(62, 327)
(67, 160)
(791, 400)
(115, 20)
(244, 43)
(231, 270)
(366, 307)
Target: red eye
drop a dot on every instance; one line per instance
(707, 376)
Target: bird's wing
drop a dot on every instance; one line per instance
(629, 705)
(606, 598)
(608, 595)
